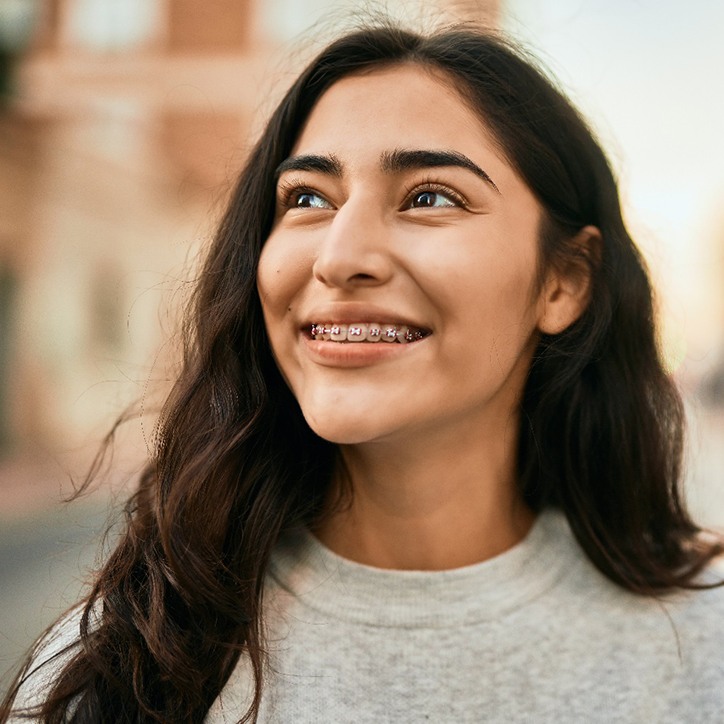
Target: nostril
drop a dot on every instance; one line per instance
(339, 277)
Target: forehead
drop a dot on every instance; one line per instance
(406, 99)
(368, 114)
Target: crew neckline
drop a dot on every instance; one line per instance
(336, 586)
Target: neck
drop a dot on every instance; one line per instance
(434, 503)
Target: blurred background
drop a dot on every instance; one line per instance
(123, 124)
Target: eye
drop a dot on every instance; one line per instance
(433, 196)
(296, 194)
(308, 200)
(430, 200)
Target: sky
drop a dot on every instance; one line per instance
(647, 74)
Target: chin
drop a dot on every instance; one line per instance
(344, 427)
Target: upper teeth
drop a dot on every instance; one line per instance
(366, 332)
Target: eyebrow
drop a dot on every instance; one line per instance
(311, 162)
(395, 161)
(407, 160)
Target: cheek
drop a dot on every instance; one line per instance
(492, 284)
(492, 312)
(279, 278)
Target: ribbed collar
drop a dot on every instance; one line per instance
(350, 591)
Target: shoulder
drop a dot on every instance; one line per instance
(47, 659)
(682, 627)
(698, 615)
(696, 621)
(695, 613)
(660, 656)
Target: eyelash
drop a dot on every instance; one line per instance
(428, 185)
(289, 190)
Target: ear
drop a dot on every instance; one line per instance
(567, 288)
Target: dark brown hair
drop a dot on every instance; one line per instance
(180, 598)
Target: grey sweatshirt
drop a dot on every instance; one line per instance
(534, 635)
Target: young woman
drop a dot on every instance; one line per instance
(422, 460)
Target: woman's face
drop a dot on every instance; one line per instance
(397, 213)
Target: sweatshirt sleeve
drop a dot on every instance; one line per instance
(50, 654)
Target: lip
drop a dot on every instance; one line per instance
(335, 354)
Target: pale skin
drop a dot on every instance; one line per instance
(427, 431)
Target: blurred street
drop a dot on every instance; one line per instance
(704, 462)
(44, 561)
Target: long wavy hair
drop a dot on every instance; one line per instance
(601, 433)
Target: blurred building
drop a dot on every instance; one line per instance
(122, 126)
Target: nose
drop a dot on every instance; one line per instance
(355, 250)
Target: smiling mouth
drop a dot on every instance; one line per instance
(367, 332)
